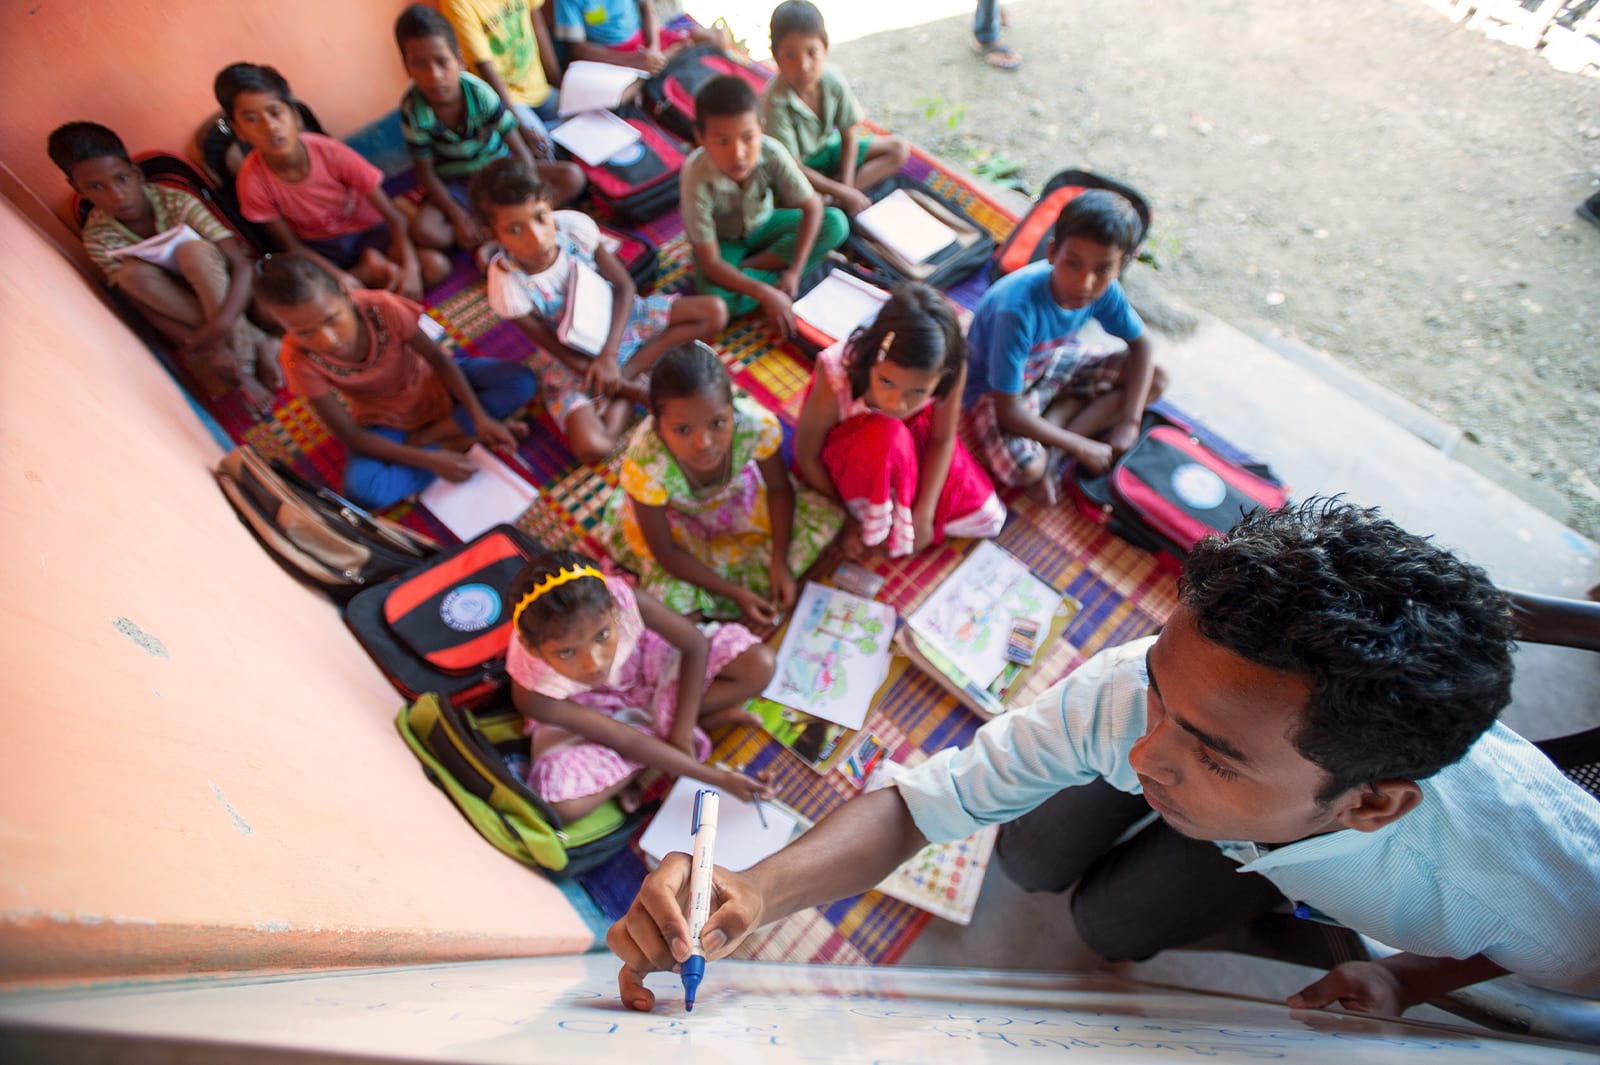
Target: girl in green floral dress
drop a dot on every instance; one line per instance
(708, 516)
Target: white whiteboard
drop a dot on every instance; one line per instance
(565, 1010)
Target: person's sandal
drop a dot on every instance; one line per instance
(997, 55)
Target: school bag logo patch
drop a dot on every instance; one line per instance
(470, 608)
(1198, 487)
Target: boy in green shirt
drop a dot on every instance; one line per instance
(812, 112)
(752, 219)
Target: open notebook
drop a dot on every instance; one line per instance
(905, 226)
(161, 249)
(586, 322)
(744, 834)
(493, 494)
(840, 303)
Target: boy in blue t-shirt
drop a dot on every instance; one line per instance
(624, 32)
(1033, 387)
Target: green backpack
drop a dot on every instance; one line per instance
(464, 753)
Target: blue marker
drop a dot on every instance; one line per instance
(704, 830)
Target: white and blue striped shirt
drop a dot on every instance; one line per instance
(1502, 857)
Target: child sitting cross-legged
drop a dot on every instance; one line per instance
(540, 252)
(1034, 389)
(752, 219)
(412, 408)
(196, 295)
(624, 32)
(454, 125)
(708, 516)
(316, 196)
(617, 689)
(812, 112)
(878, 431)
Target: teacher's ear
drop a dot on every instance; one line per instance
(1380, 803)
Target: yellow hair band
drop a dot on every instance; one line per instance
(555, 580)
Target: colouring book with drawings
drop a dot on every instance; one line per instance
(968, 618)
(835, 654)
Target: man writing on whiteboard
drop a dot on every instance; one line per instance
(1314, 725)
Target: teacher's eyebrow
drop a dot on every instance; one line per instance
(1216, 743)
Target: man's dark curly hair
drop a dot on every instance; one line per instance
(1407, 648)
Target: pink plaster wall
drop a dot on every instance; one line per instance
(200, 770)
(144, 68)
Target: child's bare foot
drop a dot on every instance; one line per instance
(518, 429)
(729, 715)
(259, 398)
(268, 372)
(634, 793)
(444, 432)
(376, 270)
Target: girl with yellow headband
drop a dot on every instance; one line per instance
(617, 690)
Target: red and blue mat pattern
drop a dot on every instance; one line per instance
(1123, 591)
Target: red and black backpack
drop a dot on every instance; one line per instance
(1030, 240)
(444, 625)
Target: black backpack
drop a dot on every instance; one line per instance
(314, 533)
(957, 261)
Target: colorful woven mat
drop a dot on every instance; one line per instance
(1124, 594)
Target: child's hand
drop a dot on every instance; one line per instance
(602, 376)
(468, 233)
(453, 466)
(538, 142)
(921, 532)
(782, 585)
(650, 59)
(1123, 436)
(789, 281)
(493, 433)
(746, 789)
(851, 200)
(779, 309)
(635, 389)
(754, 607)
(1093, 456)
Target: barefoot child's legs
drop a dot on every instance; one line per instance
(1013, 461)
(766, 252)
(691, 318)
(205, 268)
(885, 156)
(738, 666)
(165, 299)
(1104, 410)
(740, 680)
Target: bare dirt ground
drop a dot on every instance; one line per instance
(1364, 176)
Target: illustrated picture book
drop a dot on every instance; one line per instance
(834, 656)
(961, 633)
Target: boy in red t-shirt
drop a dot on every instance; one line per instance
(316, 196)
